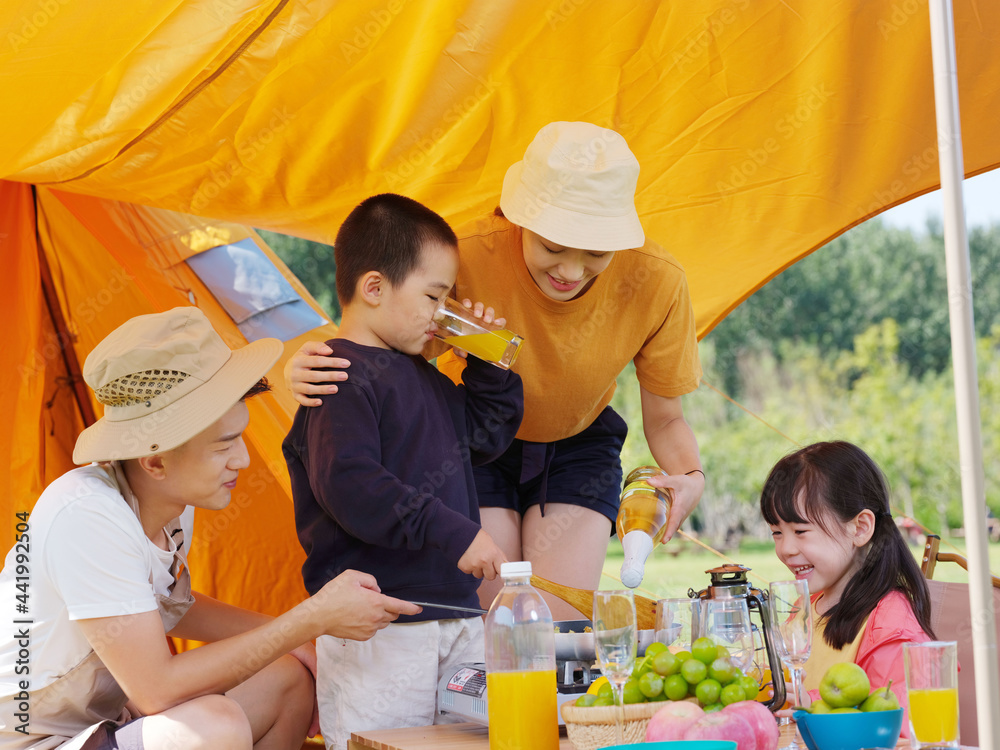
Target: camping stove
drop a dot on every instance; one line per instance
(462, 691)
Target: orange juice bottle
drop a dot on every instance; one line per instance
(522, 706)
(521, 666)
(642, 521)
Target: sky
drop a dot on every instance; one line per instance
(982, 205)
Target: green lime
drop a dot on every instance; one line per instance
(603, 701)
(606, 691)
(660, 697)
(694, 671)
(708, 691)
(683, 656)
(651, 684)
(586, 700)
(632, 692)
(704, 650)
(655, 648)
(666, 664)
(749, 685)
(722, 652)
(732, 693)
(714, 707)
(723, 671)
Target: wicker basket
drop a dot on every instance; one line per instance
(594, 726)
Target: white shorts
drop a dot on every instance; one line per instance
(390, 680)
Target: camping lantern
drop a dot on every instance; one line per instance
(725, 615)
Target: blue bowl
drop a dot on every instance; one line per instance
(849, 731)
(679, 745)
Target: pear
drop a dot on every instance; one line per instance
(820, 707)
(882, 699)
(844, 685)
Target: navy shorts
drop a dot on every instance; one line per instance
(584, 470)
(126, 737)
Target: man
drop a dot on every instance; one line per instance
(86, 662)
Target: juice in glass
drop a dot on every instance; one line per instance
(522, 710)
(934, 714)
(500, 346)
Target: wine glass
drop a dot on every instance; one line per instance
(615, 644)
(727, 622)
(791, 619)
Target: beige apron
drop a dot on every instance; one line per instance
(72, 712)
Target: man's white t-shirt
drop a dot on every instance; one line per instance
(88, 557)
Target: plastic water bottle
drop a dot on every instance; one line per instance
(642, 521)
(521, 666)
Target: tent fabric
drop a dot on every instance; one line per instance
(109, 262)
(764, 128)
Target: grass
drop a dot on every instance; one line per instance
(671, 575)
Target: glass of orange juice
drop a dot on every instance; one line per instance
(932, 691)
(460, 328)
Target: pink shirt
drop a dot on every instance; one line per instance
(880, 653)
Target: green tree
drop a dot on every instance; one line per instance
(313, 264)
(869, 274)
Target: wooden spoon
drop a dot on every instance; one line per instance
(583, 601)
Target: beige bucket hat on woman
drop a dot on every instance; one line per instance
(576, 186)
(164, 378)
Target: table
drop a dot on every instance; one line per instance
(466, 737)
(439, 737)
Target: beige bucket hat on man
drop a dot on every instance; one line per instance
(164, 378)
(576, 186)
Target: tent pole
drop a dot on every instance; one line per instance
(66, 339)
(963, 347)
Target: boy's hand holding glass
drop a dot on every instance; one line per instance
(472, 329)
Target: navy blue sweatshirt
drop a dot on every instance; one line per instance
(382, 472)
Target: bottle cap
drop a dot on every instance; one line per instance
(515, 569)
(637, 546)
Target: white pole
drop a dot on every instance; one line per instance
(963, 347)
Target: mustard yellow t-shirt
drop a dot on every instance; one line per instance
(638, 308)
(822, 656)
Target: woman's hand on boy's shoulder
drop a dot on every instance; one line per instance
(311, 371)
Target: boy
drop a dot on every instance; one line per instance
(382, 473)
(108, 577)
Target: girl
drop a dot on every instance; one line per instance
(567, 257)
(828, 508)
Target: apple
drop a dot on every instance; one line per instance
(845, 684)
(722, 725)
(882, 699)
(760, 719)
(671, 721)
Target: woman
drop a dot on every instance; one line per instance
(566, 256)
